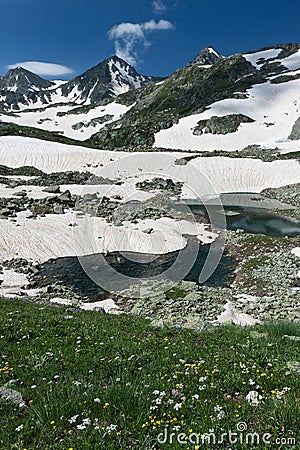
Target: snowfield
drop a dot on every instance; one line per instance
(53, 237)
(257, 59)
(74, 126)
(296, 251)
(202, 175)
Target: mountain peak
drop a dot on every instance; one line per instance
(108, 79)
(19, 80)
(207, 56)
(17, 71)
(117, 58)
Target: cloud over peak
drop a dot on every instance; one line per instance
(128, 36)
(43, 68)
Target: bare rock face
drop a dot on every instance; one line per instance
(221, 125)
(295, 134)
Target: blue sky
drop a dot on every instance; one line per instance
(157, 36)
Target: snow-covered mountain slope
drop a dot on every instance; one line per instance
(272, 56)
(273, 108)
(21, 81)
(21, 89)
(78, 123)
(213, 103)
(224, 103)
(264, 114)
(28, 100)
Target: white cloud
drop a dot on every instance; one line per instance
(128, 35)
(42, 68)
(151, 25)
(159, 7)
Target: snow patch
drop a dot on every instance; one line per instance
(230, 315)
(296, 251)
(12, 282)
(262, 56)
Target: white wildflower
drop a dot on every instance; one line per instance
(253, 398)
(86, 421)
(111, 428)
(73, 418)
(177, 406)
(202, 379)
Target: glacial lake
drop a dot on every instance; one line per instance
(244, 216)
(254, 221)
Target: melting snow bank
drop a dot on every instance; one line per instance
(52, 236)
(11, 283)
(108, 305)
(51, 156)
(77, 234)
(231, 315)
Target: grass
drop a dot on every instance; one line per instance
(176, 293)
(93, 381)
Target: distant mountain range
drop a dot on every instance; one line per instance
(21, 89)
(214, 102)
